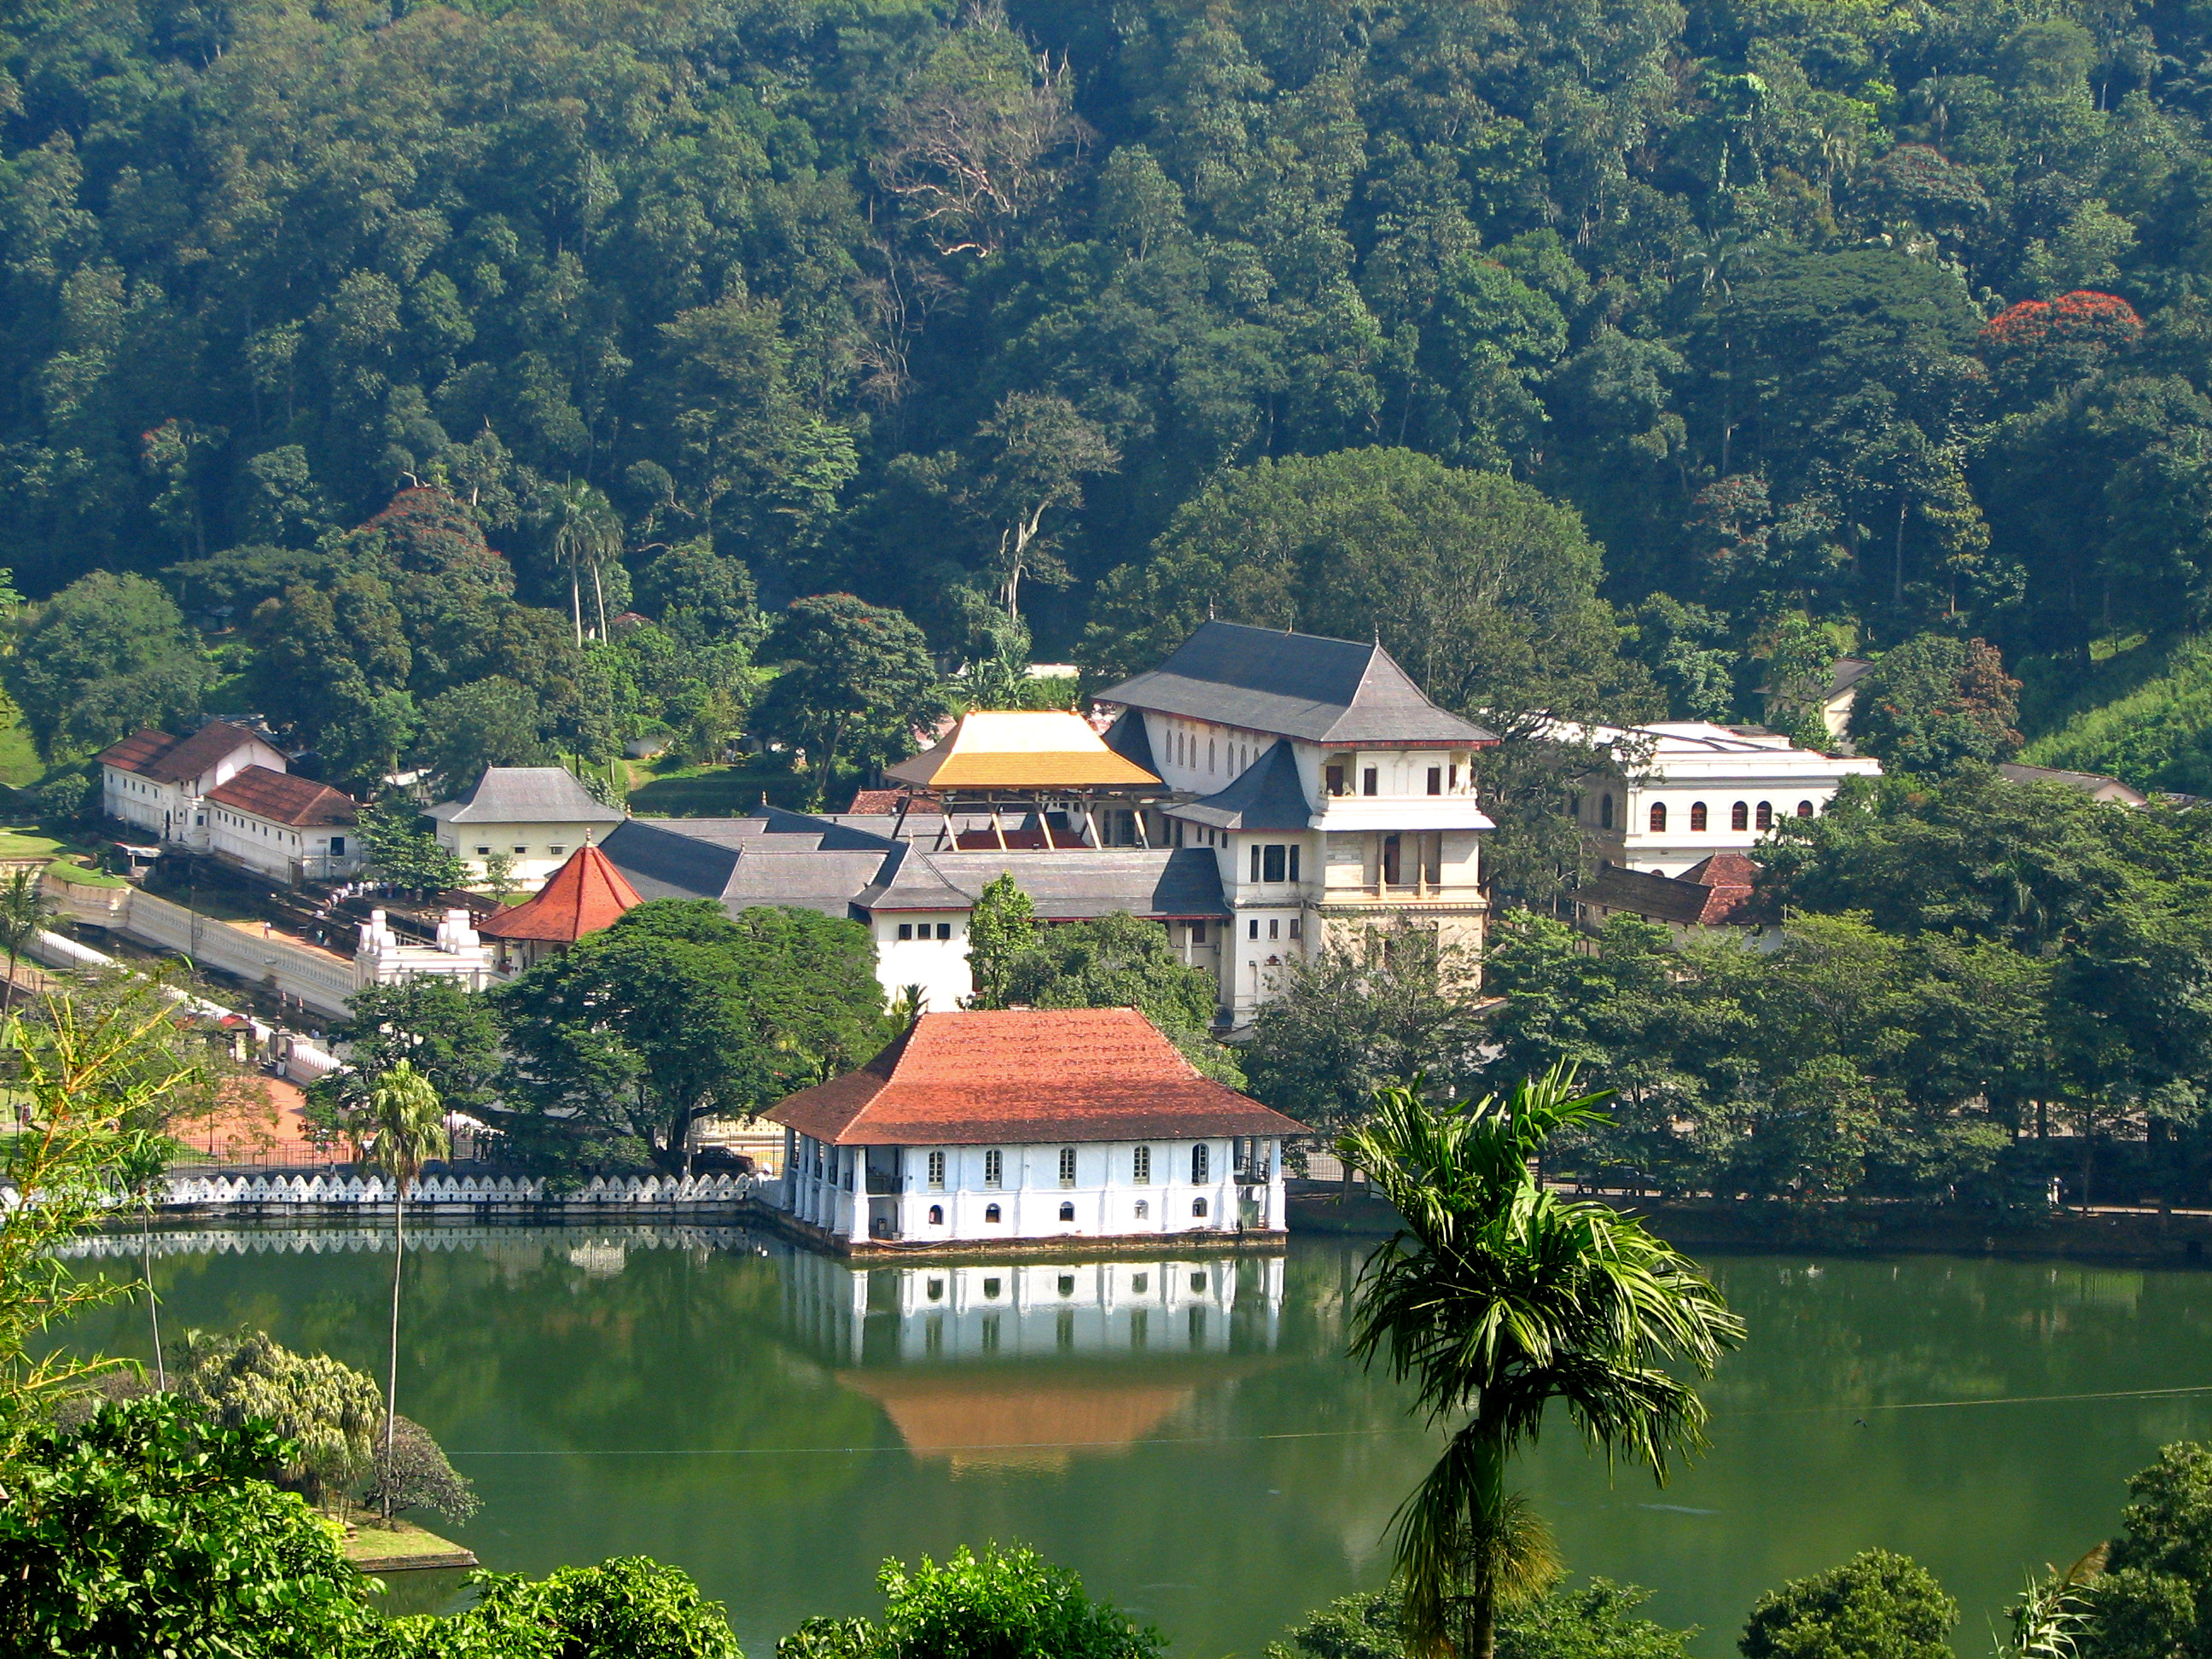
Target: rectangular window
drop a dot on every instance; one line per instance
(338, 847)
(519, 851)
(1198, 933)
(1453, 778)
(1336, 781)
(1256, 864)
(1294, 864)
(1294, 927)
(1436, 779)
(1067, 1166)
(1255, 929)
(557, 849)
(937, 1172)
(1274, 927)
(1368, 781)
(1392, 866)
(484, 852)
(1275, 862)
(995, 1168)
(906, 930)
(1141, 1166)
(944, 930)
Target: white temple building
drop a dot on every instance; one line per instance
(1029, 1124)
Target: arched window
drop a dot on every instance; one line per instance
(937, 1290)
(1767, 815)
(1197, 1207)
(1804, 809)
(1696, 817)
(936, 1219)
(1658, 816)
(1197, 1164)
(1067, 1213)
(1739, 817)
(1144, 1209)
(991, 1215)
(1605, 812)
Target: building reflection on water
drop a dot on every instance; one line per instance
(1028, 1365)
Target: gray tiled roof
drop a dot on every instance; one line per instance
(1294, 685)
(527, 794)
(1127, 738)
(660, 863)
(1265, 795)
(909, 880)
(1073, 886)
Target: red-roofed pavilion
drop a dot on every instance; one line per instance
(583, 895)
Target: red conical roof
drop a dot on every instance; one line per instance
(583, 895)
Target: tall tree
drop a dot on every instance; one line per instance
(856, 683)
(1497, 1297)
(408, 1122)
(105, 655)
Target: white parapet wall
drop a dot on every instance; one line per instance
(322, 979)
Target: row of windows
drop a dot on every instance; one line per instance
(1336, 778)
(1276, 862)
(1183, 747)
(912, 930)
(1139, 1283)
(1140, 1167)
(1274, 927)
(1741, 816)
(556, 850)
(992, 1218)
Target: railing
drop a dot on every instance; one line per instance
(355, 1192)
(881, 1185)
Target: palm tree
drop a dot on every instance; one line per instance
(1498, 1298)
(23, 912)
(583, 531)
(408, 1121)
(142, 1166)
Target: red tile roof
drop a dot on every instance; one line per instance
(1713, 893)
(167, 759)
(583, 895)
(283, 798)
(973, 1076)
(879, 803)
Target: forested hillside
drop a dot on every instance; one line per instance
(1893, 316)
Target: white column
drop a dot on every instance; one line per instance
(858, 1232)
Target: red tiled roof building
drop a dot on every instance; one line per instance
(583, 895)
(1023, 1125)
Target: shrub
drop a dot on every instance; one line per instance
(1875, 1606)
(146, 1532)
(327, 1414)
(629, 1608)
(416, 1475)
(1009, 1604)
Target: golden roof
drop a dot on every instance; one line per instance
(1010, 748)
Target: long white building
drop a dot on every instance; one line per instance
(1029, 1124)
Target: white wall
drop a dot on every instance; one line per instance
(278, 850)
(939, 966)
(532, 865)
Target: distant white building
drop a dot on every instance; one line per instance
(1029, 1124)
(159, 782)
(536, 814)
(1690, 789)
(383, 958)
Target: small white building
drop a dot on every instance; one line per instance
(277, 824)
(1690, 789)
(382, 958)
(536, 814)
(159, 783)
(979, 1127)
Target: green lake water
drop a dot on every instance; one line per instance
(1189, 1434)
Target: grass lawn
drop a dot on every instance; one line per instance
(659, 790)
(71, 862)
(374, 1547)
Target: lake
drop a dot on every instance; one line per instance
(1187, 1433)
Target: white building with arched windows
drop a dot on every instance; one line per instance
(1010, 1126)
(1687, 790)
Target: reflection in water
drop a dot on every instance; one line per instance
(1086, 1356)
(778, 1424)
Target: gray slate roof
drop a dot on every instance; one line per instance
(814, 865)
(1294, 685)
(1127, 738)
(1265, 795)
(527, 794)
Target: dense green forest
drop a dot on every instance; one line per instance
(1890, 316)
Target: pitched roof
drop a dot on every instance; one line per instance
(167, 759)
(972, 1077)
(527, 794)
(1710, 893)
(1127, 737)
(583, 895)
(1181, 882)
(1294, 685)
(283, 798)
(2089, 783)
(1019, 749)
(1268, 794)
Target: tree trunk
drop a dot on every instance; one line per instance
(152, 1303)
(599, 599)
(392, 1373)
(576, 604)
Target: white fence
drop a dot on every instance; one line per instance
(374, 1240)
(445, 1191)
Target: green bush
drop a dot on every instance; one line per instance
(147, 1531)
(629, 1608)
(1002, 1604)
(1875, 1606)
(1598, 1621)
